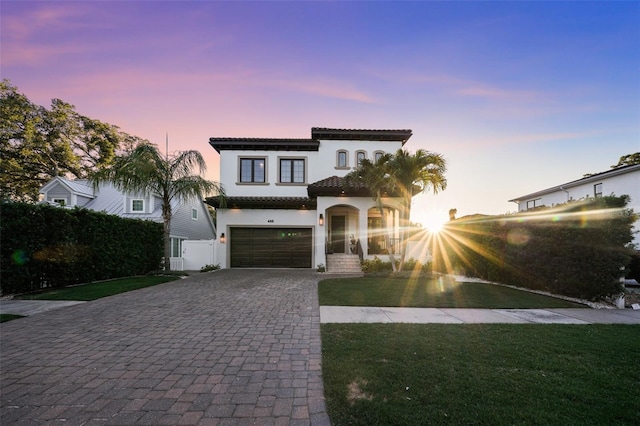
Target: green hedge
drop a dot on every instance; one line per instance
(576, 249)
(47, 247)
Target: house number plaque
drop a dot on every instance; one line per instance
(270, 221)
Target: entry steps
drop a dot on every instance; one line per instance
(341, 263)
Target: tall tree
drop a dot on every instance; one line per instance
(145, 170)
(37, 143)
(628, 160)
(375, 177)
(412, 174)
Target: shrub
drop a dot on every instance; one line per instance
(576, 250)
(46, 247)
(207, 268)
(633, 270)
(375, 265)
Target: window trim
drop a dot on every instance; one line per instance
(132, 201)
(346, 159)
(364, 154)
(376, 154)
(176, 246)
(536, 203)
(292, 183)
(252, 182)
(57, 201)
(194, 214)
(597, 193)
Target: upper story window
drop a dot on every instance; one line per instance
(292, 170)
(194, 214)
(252, 170)
(137, 206)
(597, 190)
(377, 156)
(61, 201)
(342, 159)
(360, 155)
(534, 203)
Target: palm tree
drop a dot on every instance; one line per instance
(145, 170)
(412, 174)
(374, 177)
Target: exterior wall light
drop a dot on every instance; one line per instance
(223, 239)
(321, 220)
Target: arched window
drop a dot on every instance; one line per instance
(342, 159)
(377, 156)
(360, 155)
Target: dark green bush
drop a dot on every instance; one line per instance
(48, 247)
(576, 249)
(633, 270)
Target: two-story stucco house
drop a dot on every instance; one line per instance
(286, 206)
(619, 181)
(190, 221)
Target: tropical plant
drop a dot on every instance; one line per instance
(412, 174)
(146, 170)
(403, 174)
(375, 177)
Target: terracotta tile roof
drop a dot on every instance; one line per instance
(263, 202)
(361, 134)
(335, 186)
(264, 144)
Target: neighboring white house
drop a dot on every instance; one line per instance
(286, 205)
(619, 181)
(190, 221)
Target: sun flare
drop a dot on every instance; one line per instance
(432, 221)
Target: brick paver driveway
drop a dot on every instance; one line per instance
(229, 347)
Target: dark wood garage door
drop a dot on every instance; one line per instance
(270, 247)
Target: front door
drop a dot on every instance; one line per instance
(338, 235)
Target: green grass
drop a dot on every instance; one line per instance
(9, 317)
(430, 293)
(97, 290)
(411, 374)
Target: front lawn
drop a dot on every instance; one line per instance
(93, 291)
(430, 293)
(490, 374)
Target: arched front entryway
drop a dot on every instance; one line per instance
(342, 229)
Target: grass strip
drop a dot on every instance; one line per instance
(93, 291)
(410, 374)
(9, 317)
(430, 293)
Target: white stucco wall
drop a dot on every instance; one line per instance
(320, 164)
(230, 177)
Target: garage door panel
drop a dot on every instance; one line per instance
(271, 247)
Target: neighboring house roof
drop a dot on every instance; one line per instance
(262, 202)
(334, 186)
(592, 178)
(361, 134)
(263, 144)
(78, 187)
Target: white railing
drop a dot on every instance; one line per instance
(177, 263)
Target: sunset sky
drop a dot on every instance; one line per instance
(517, 96)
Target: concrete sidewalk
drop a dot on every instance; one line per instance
(32, 307)
(357, 314)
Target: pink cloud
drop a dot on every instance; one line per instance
(322, 87)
